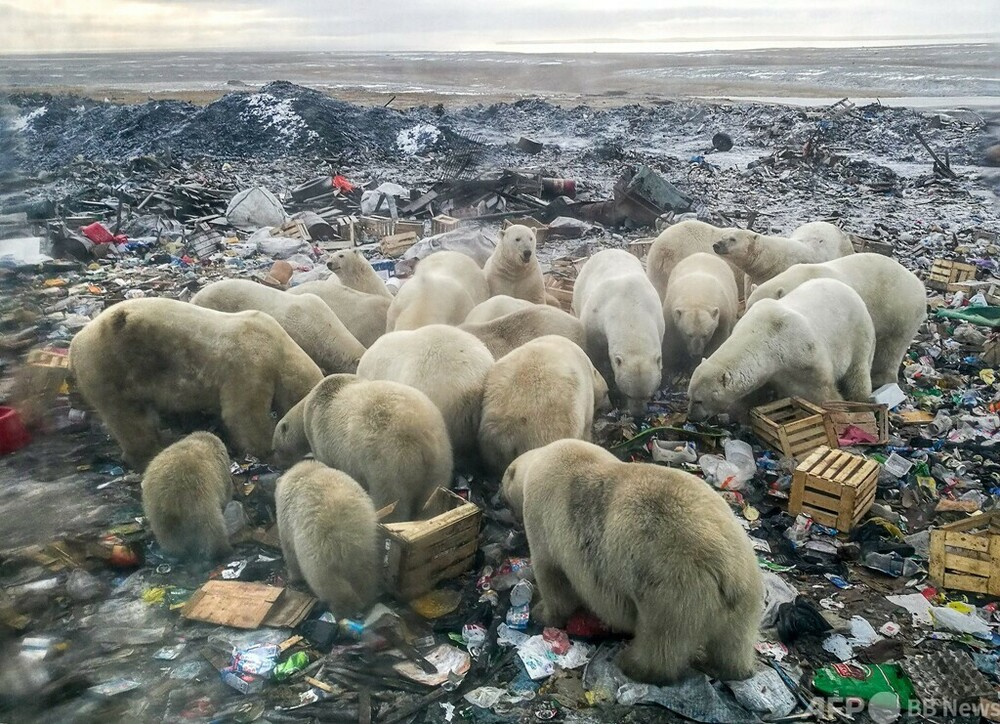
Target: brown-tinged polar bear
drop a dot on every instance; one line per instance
(363, 314)
(494, 307)
(510, 331)
(543, 391)
(764, 257)
(388, 436)
(816, 342)
(678, 242)
(447, 364)
(144, 357)
(356, 272)
(699, 310)
(184, 491)
(306, 318)
(513, 267)
(652, 551)
(623, 322)
(443, 290)
(895, 297)
(329, 536)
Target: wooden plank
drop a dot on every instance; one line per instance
(968, 542)
(459, 535)
(975, 521)
(825, 485)
(821, 517)
(993, 584)
(826, 502)
(965, 583)
(937, 553)
(961, 564)
(232, 603)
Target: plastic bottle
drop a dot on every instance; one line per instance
(520, 594)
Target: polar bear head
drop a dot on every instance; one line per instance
(708, 391)
(637, 376)
(697, 326)
(517, 244)
(512, 484)
(738, 243)
(289, 441)
(343, 260)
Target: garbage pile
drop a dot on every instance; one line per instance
(882, 587)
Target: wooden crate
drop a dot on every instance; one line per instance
(377, 226)
(965, 555)
(864, 245)
(393, 246)
(561, 288)
(640, 247)
(417, 555)
(835, 487)
(873, 419)
(793, 426)
(442, 223)
(945, 274)
(38, 383)
(541, 230)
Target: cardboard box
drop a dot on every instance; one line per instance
(835, 487)
(417, 555)
(247, 605)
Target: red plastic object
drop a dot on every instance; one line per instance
(343, 184)
(13, 435)
(99, 234)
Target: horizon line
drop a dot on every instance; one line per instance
(981, 38)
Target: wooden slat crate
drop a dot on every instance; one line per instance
(404, 227)
(560, 278)
(417, 555)
(835, 487)
(394, 245)
(640, 247)
(377, 226)
(541, 230)
(946, 273)
(442, 223)
(965, 555)
(873, 419)
(293, 229)
(864, 245)
(793, 426)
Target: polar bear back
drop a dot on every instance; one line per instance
(826, 240)
(494, 307)
(447, 364)
(363, 314)
(307, 319)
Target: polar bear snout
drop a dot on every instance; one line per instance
(526, 255)
(719, 247)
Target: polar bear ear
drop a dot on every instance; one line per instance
(714, 311)
(618, 360)
(678, 313)
(779, 293)
(727, 378)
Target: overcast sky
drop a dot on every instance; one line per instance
(519, 25)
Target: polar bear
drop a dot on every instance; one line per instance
(764, 257)
(144, 357)
(355, 271)
(387, 436)
(816, 342)
(428, 299)
(510, 331)
(678, 242)
(545, 390)
(652, 551)
(895, 298)
(699, 310)
(184, 491)
(623, 321)
(447, 364)
(460, 267)
(329, 536)
(513, 267)
(363, 314)
(494, 307)
(306, 318)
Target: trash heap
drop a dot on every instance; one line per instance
(874, 523)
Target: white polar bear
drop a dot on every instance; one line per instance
(817, 342)
(446, 364)
(496, 307)
(443, 290)
(545, 390)
(510, 331)
(623, 321)
(764, 257)
(513, 267)
(329, 536)
(355, 271)
(895, 297)
(387, 436)
(699, 310)
(363, 314)
(307, 319)
(652, 551)
(678, 242)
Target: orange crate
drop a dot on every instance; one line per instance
(965, 555)
(835, 487)
(793, 426)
